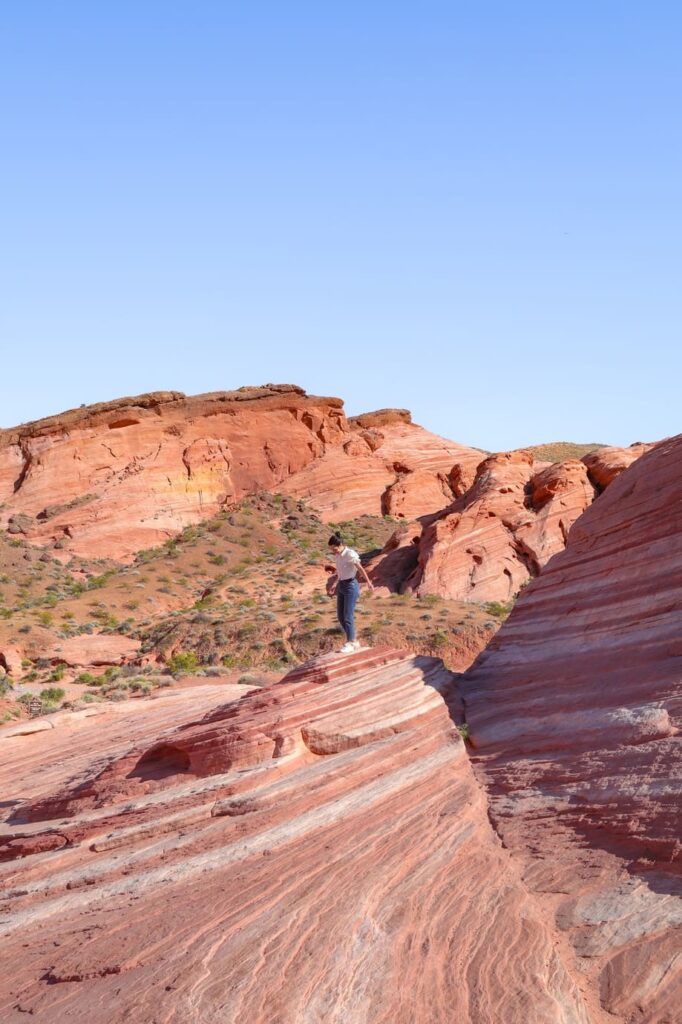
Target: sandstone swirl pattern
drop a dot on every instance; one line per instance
(317, 852)
(575, 711)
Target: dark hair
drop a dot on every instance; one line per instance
(335, 541)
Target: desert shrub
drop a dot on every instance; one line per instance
(141, 686)
(498, 609)
(439, 639)
(97, 582)
(52, 694)
(45, 618)
(183, 661)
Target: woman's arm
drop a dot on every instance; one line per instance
(361, 569)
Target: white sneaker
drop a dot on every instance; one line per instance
(356, 645)
(347, 648)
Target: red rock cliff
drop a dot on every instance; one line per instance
(107, 480)
(574, 711)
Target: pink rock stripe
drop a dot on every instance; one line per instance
(318, 851)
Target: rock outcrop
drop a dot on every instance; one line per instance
(110, 479)
(391, 467)
(502, 527)
(574, 711)
(605, 464)
(107, 480)
(496, 536)
(317, 851)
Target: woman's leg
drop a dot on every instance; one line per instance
(341, 607)
(352, 596)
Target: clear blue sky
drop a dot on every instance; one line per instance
(469, 209)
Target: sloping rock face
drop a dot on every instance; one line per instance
(318, 851)
(390, 466)
(108, 480)
(490, 541)
(605, 464)
(574, 712)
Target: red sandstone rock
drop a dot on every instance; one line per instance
(605, 464)
(470, 553)
(558, 496)
(346, 871)
(417, 493)
(10, 659)
(110, 479)
(94, 649)
(107, 480)
(502, 530)
(407, 470)
(574, 713)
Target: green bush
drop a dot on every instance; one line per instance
(498, 609)
(183, 661)
(52, 694)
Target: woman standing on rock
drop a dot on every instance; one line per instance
(346, 587)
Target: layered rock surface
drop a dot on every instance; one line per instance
(319, 851)
(107, 480)
(575, 712)
(503, 526)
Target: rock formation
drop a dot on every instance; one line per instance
(389, 466)
(325, 850)
(605, 464)
(574, 714)
(318, 851)
(501, 529)
(110, 479)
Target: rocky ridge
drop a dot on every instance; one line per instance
(110, 479)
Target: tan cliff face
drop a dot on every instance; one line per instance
(109, 480)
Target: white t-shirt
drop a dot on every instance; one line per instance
(347, 562)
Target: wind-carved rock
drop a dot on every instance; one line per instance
(129, 474)
(316, 851)
(574, 715)
(497, 534)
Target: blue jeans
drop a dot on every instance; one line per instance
(347, 594)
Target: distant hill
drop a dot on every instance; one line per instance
(559, 451)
